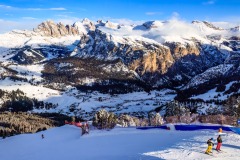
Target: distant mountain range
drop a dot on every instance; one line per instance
(188, 59)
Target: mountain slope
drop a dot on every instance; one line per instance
(187, 59)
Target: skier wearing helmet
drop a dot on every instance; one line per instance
(210, 145)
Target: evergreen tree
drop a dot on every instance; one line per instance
(104, 120)
(232, 106)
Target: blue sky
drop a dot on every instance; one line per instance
(20, 13)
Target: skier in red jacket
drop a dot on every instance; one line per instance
(219, 143)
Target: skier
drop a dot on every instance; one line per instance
(83, 129)
(42, 136)
(87, 127)
(219, 143)
(210, 145)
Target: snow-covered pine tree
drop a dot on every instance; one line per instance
(104, 120)
(157, 120)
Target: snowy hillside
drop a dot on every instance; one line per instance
(85, 104)
(78, 69)
(120, 143)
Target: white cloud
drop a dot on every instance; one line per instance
(226, 25)
(124, 21)
(45, 9)
(31, 18)
(58, 9)
(171, 30)
(68, 12)
(210, 2)
(226, 21)
(33, 9)
(153, 13)
(5, 6)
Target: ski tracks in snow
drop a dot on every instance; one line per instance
(194, 148)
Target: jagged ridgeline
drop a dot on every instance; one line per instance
(154, 53)
(87, 66)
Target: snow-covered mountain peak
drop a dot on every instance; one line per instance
(207, 29)
(152, 24)
(89, 24)
(84, 26)
(191, 57)
(112, 25)
(86, 21)
(207, 24)
(107, 24)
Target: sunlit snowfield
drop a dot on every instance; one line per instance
(120, 143)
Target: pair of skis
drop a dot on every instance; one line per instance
(210, 154)
(218, 151)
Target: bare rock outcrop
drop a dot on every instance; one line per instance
(49, 28)
(157, 60)
(179, 50)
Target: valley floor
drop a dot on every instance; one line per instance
(66, 142)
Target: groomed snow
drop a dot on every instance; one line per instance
(66, 142)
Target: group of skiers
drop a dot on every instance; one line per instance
(211, 144)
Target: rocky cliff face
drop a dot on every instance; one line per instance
(140, 56)
(49, 28)
(155, 53)
(171, 62)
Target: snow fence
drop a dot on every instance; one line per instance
(152, 127)
(190, 127)
(235, 130)
(200, 127)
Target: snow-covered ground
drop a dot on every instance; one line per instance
(66, 142)
(213, 94)
(87, 102)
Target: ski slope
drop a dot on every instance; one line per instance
(66, 142)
